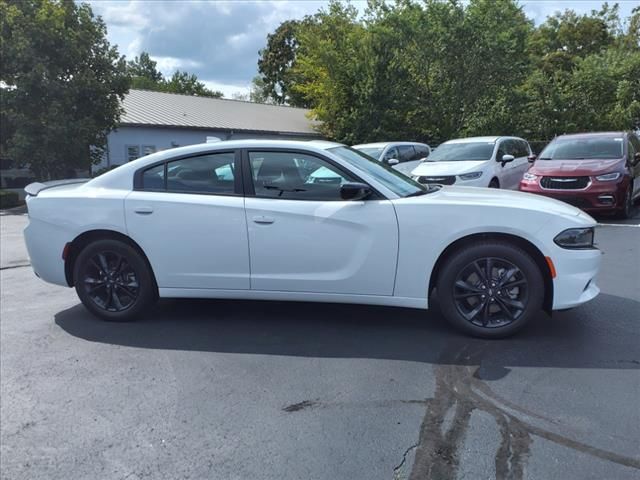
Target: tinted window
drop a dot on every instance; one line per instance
(406, 153)
(583, 148)
(451, 152)
(421, 152)
(153, 178)
(295, 176)
(395, 181)
(212, 173)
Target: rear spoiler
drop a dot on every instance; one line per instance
(36, 187)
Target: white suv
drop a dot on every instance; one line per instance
(496, 162)
(403, 156)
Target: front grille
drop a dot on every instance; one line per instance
(441, 180)
(564, 183)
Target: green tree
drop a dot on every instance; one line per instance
(144, 72)
(188, 84)
(62, 84)
(277, 62)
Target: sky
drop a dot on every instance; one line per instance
(219, 40)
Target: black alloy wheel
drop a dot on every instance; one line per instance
(114, 280)
(110, 281)
(490, 288)
(491, 292)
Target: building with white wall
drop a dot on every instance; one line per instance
(154, 121)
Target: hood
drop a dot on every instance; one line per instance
(491, 197)
(576, 167)
(430, 169)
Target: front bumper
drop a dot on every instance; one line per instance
(597, 197)
(575, 282)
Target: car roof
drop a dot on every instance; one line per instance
(386, 144)
(592, 134)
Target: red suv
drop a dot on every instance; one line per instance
(597, 172)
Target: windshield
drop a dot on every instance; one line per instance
(390, 178)
(583, 148)
(374, 152)
(455, 152)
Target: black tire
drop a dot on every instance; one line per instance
(114, 281)
(509, 308)
(627, 208)
(494, 183)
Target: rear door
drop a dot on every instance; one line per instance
(188, 216)
(304, 238)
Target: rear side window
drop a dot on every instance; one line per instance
(212, 173)
(421, 152)
(406, 153)
(153, 178)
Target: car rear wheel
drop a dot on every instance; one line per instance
(490, 289)
(113, 280)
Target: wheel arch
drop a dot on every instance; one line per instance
(90, 236)
(523, 243)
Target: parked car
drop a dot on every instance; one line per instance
(403, 156)
(495, 162)
(138, 232)
(598, 172)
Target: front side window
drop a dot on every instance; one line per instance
(584, 148)
(390, 154)
(458, 152)
(395, 181)
(295, 176)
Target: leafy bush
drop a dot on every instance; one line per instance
(9, 199)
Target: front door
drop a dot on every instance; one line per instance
(188, 217)
(304, 238)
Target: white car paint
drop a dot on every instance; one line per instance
(368, 251)
(508, 174)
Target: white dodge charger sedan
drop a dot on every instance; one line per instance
(255, 220)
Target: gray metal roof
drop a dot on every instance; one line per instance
(144, 107)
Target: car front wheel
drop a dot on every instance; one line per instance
(113, 280)
(490, 289)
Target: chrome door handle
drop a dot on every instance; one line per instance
(263, 220)
(143, 210)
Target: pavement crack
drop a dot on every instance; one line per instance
(9, 267)
(396, 470)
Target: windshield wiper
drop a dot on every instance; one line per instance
(418, 193)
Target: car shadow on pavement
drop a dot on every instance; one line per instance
(601, 334)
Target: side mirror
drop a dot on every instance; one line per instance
(354, 191)
(532, 158)
(393, 161)
(507, 159)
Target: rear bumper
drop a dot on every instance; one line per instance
(575, 282)
(597, 197)
(45, 243)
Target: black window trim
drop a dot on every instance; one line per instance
(249, 188)
(238, 190)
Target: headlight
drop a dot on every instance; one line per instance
(470, 176)
(575, 238)
(608, 177)
(529, 176)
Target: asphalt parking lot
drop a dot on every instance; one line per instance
(269, 390)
